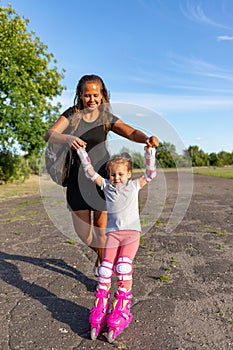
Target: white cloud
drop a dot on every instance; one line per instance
(224, 38)
(199, 138)
(196, 13)
(164, 103)
(161, 103)
(199, 67)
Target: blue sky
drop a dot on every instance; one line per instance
(172, 57)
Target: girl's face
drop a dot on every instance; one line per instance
(91, 96)
(119, 174)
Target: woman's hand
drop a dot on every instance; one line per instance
(75, 142)
(152, 141)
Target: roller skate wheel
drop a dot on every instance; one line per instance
(93, 334)
(111, 336)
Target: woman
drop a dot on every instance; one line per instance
(90, 120)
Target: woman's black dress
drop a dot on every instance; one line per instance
(82, 193)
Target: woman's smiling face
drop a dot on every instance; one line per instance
(91, 96)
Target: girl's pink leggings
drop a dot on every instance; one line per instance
(121, 244)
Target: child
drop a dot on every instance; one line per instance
(123, 237)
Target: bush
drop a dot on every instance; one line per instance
(138, 161)
(13, 167)
(34, 163)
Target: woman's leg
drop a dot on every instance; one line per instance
(83, 226)
(99, 239)
(82, 221)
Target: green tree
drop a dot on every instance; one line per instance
(138, 160)
(125, 150)
(29, 80)
(12, 167)
(213, 159)
(198, 157)
(166, 155)
(224, 158)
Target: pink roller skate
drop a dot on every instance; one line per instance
(98, 314)
(120, 316)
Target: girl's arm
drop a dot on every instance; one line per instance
(88, 168)
(150, 167)
(55, 134)
(135, 135)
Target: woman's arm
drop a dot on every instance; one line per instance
(135, 135)
(55, 134)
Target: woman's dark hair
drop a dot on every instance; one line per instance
(92, 78)
(78, 107)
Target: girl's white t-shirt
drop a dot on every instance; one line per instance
(122, 206)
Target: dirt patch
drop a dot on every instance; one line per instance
(182, 280)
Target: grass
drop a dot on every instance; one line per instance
(148, 248)
(219, 246)
(226, 172)
(145, 221)
(142, 240)
(18, 233)
(31, 186)
(225, 315)
(121, 346)
(213, 231)
(28, 188)
(165, 278)
(219, 232)
(171, 263)
(71, 241)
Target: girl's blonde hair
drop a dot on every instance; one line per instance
(123, 158)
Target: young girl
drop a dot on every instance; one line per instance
(123, 237)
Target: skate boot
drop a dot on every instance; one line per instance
(120, 316)
(98, 314)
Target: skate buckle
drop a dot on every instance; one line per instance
(125, 315)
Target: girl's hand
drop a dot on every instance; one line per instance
(75, 142)
(152, 141)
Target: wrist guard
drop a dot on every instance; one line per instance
(86, 164)
(150, 164)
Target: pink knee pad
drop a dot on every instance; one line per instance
(124, 269)
(105, 272)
